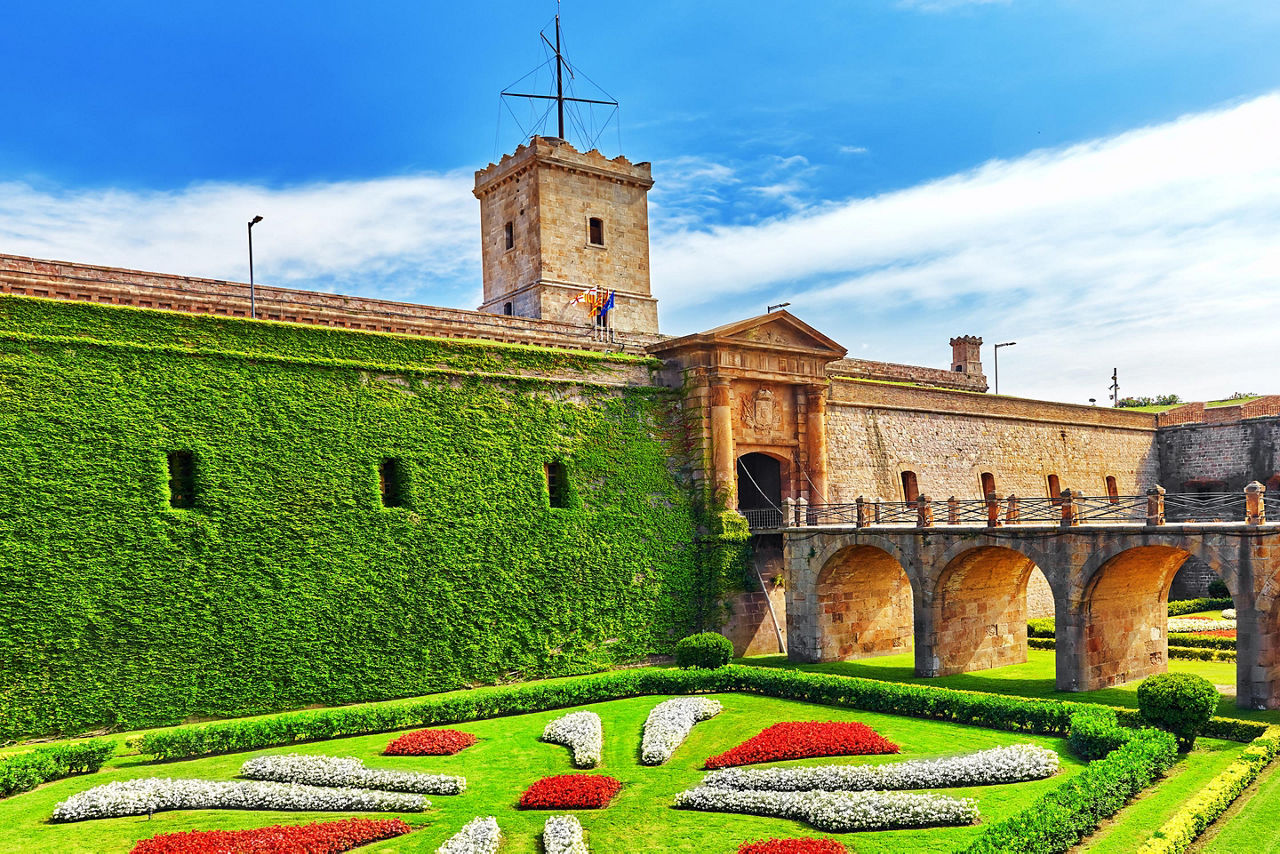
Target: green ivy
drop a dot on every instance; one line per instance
(288, 583)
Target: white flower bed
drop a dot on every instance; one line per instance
(1229, 614)
(155, 794)
(837, 812)
(1177, 625)
(347, 772)
(478, 836)
(562, 834)
(669, 724)
(582, 733)
(987, 767)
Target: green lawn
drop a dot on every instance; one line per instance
(1252, 823)
(1033, 679)
(509, 757)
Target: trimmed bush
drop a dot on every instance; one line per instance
(1095, 733)
(1194, 654)
(1064, 816)
(24, 771)
(1206, 805)
(1042, 628)
(1186, 639)
(708, 650)
(1180, 703)
(1178, 607)
(1218, 589)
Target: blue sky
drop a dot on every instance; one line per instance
(1087, 176)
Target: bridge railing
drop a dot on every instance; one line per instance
(1071, 508)
(766, 518)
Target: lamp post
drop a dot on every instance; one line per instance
(253, 297)
(997, 350)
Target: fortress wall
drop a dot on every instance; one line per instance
(875, 431)
(1221, 457)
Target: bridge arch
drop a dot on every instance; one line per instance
(1124, 615)
(977, 618)
(865, 604)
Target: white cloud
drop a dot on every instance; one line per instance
(1154, 251)
(413, 237)
(853, 149)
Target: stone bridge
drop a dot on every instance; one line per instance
(960, 593)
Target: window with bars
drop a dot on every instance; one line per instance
(557, 485)
(391, 482)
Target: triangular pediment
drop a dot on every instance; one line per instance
(781, 330)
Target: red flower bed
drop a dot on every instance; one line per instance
(793, 846)
(430, 742)
(570, 792)
(323, 837)
(1218, 633)
(799, 740)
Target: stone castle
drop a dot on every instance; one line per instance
(773, 413)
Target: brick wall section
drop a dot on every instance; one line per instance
(1221, 456)
(890, 372)
(948, 438)
(72, 281)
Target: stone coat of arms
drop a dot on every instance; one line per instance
(760, 411)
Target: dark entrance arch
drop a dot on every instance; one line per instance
(760, 489)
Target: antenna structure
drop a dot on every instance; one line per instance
(562, 67)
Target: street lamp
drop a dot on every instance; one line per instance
(997, 349)
(253, 298)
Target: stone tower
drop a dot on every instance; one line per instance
(966, 355)
(555, 221)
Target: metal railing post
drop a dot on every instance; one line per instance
(1011, 514)
(861, 504)
(1255, 511)
(993, 510)
(1155, 505)
(953, 511)
(924, 511)
(1071, 507)
(876, 511)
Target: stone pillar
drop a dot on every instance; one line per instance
(953, 511)
(802, 512)
(816, 440)
(1155, 505)
(1071, 657)
(1071, 507)
(788, 513)
(993, 510)
(1011, 514)
(1255, 512)
(723, 466)
(924, 511)
(861, 504)
(803, 642)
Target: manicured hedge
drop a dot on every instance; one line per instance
(1185, 639)
(22, 772)
(1204, 807)
(1178, 607)
(921, 701)
(705, 649)
(1062, 817)
(289, 583)
(1096, 732)
(1182, 652)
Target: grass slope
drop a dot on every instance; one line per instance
(509, 757)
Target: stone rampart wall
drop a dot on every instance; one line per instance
(891, 372)
(948, 439)
(1220, 457)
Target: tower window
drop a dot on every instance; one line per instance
(182, 479)
(508, 309)
(391, 482)
(988, 483)
(1055, 486)
(910, 490)
(509, 232)
(595, 231)
(557, 485)
(1113, 489)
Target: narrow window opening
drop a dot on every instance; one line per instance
(910, 490)
(1113, 490)
(510, 235)
(596, 229)
(182, 480)
(988, 483)
(1055, 488)
(390, 483)
(557, 485)
(508, 309)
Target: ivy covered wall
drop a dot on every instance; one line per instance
(289, 582)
